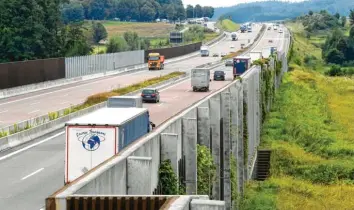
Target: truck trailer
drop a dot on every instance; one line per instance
(243, 28)
(98, 136)
(200, 79)
(125, 102)
(241, 65)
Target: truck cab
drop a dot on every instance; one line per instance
(156, 61)
(204, 51)
(241, 65)
(234, 36)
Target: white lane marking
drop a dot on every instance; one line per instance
(31, 146)
(34, 111)
(34, 103)
(29, 175)
(4, 111)
(64, 95)
(65, 102)
(160, 104)
(175, 97)
(86, 89)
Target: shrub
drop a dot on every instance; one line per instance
(206, 170)
(168, 182)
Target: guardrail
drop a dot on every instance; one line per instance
(31, 129)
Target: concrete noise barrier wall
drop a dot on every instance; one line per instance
(175, 51)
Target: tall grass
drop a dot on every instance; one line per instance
(310, 131)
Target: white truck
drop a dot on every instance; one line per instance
(200, 79)
(234, 36)
(204, 51)
(266, 52)
(124, 102)
(98, 136)
(255, 56)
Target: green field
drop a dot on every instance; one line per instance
(228, 25)
(311, 134)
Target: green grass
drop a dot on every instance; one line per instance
(310, 131)
(228, 25)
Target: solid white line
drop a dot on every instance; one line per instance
(34, 103)
(34, 111)
(86, 89)
(31, 146)
(29, 175)
(64, 95)
(65, 102)
(4, 111)
(160, 104)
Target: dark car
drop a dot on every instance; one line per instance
(150, 94)
(219, 75)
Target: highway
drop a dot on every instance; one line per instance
(23, 107)
(30, 174)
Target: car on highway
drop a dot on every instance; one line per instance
(269, 28)
(223, 54)
(150, 95)
(216, 55)
(232, 46)
(219, 75)
(229, 62)
(280, 30)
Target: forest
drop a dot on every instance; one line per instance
(280, 10)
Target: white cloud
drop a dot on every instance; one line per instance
(222, 3)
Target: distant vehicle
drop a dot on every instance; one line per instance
(223, 54)
(243, 28)
(150, 94)
(229, 62)
(204, 51)
(270, 41)
(275, 28)
(95, 137)
(215, 54)
(232, 46)
(249, 28)
(269, 28)
(234, 36)
(280, 30)
(219, 75)
(156, 61)
(241, 65)
(200, 79)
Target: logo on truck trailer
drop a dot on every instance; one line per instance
(91, 140)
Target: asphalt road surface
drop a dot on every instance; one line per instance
(19, 108)
(31, 174)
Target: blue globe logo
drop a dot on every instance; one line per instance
(92, 143)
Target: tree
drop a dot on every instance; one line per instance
(99, 32)
(147, 12)
(180, 12)
(170, 11)
(97, 10)
(198, 11)
(117, 44)
(128, 9)
(72, 12)
(74, 42)
(343, 21)
(351, 17)
(337, 15)
(208, 12)
(310, 12)
(190, 11)
(132, 39)
(335, 56)
(351, 33)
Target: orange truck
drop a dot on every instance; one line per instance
(156, 61)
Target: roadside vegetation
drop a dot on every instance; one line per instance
(96, 99)
(310, 126)
(228, 25)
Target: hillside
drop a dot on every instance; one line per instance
(228, 25)
(278, 10)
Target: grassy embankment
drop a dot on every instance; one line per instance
(310, 131)
(228, 25)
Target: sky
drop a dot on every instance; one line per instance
(221, 3)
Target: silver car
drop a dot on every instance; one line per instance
(229, 62)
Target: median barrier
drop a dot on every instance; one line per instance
(39, 126)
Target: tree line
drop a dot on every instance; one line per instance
(131, 10)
